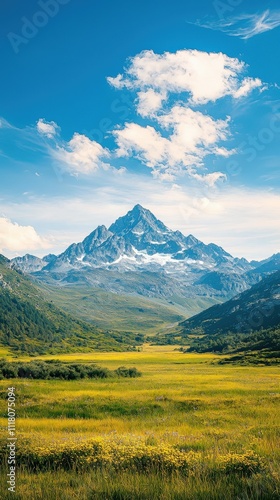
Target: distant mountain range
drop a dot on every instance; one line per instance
(160, 276)
(139, 255)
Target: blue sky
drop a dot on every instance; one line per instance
(170, 105)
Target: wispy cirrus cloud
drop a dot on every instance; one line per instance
(245, 26)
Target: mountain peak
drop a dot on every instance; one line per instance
(138, 209)
(140, 220)
(141, 212)
(96, 238)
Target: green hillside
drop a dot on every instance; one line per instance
(256, 308)
(247, 326)
(30, 324)
(259, 347)
(122, 312)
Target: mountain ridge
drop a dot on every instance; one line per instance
(138, 243)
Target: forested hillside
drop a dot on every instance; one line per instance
(30, 324)
(247, 326)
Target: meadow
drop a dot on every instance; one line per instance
(187, 429)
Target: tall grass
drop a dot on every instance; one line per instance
(183, 402)
(110, 485)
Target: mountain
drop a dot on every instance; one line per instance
(252, 310)
(30, 324)
(29, 263)
(140, 275)
(139, 255)
(265, 267)
(232, 283)
(246, 327)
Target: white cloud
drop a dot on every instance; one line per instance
(192, 136)
(179, 138)
(117, 82)
(172, 139)
(247, 86)
(205, 77)
(149, 102)
(192, 129)
(254, 24)
(246, 26)
(220, 151)
(81, 155)
(16, 238)
(210, 179)
(149, 145)
(5, 124)
(167, 87)
(49, 129)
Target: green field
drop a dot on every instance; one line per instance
(187, 429)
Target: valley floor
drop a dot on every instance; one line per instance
(187, 429)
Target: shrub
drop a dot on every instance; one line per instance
(58, 370)
(123, 455)
(245, 465)
(122, 371)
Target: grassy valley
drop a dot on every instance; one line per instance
(123, 312)
(189, 428)
(157, 422)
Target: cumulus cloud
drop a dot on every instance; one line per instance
(81, 155)
(246, 26)
(192, 136)
(174, 137)
(16, 238)
(145, 141)
(204, 76)
(150, 101)
(168, 89)
(209, 179)
(49, 129)
(192, 129)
